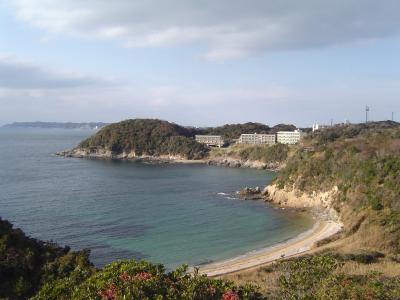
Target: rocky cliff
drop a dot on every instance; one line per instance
(291, 197)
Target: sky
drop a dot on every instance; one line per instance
(199, 62)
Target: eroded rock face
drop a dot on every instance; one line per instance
(297, 199)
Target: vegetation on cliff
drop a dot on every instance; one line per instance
(146, 137)
(363, 161)
(26, 264)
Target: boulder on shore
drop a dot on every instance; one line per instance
(249, 193)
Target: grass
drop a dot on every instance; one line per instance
(263, 153)
(324, 276)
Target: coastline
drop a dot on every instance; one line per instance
(226, 161)
(327, 221)
(299, 245)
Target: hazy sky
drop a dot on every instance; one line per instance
(202, 62)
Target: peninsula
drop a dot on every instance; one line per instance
(162, 141)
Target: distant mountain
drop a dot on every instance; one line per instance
(58, 125)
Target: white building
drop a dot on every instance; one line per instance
(317, 126)
(210, 140)
(289, 137)
(257, 139)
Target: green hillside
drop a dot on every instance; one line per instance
(146, 137)
(363, 161)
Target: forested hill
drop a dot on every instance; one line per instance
(146, 137)
(233, 131)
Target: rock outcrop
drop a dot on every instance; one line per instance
(107, 154)
(321, 201)
(249, 193)
(238, 163)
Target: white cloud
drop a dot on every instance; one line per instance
(228, 28)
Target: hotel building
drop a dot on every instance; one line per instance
(289, 137)
(257, 139)
(210, 140)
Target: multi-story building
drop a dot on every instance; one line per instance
(256, 139)
(289, 137)
(210, 140)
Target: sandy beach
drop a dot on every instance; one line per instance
(298, 245)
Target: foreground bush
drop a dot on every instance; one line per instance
(26, 263)
(142, 280)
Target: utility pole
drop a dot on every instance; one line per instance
(366, 113)
(331, 122)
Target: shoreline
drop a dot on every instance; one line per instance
(229, 162)
(298, 245)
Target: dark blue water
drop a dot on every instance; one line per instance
(171, 214)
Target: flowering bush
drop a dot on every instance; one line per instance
(109, 293)
(144, 276)
(141, 280)
(229, 295)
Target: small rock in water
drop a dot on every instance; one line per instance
(251, 193)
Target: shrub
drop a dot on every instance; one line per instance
(26, 263)
(132, 279)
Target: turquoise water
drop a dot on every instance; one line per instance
(170, 214)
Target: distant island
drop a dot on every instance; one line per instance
(56, 125)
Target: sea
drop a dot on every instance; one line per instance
(165, 213)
